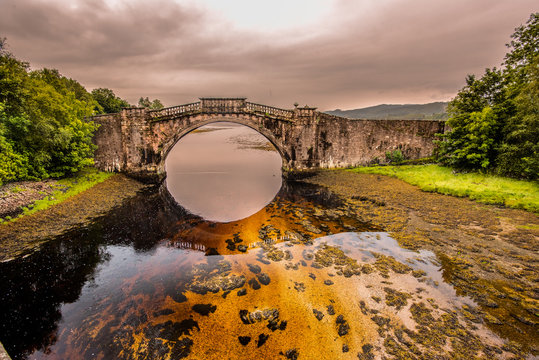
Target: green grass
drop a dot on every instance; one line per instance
(484, 188)
(67, 187)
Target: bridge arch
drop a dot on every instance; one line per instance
(252, 122)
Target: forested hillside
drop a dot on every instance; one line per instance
(435, 110)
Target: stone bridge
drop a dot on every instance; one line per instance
(136, 141)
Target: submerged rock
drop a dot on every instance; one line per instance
(216, 283)
(254, 284)
(318, 314)
(204, 309)
(242, 292)
(342, 325)
(258, 315)
(254, 268)
(262, 338)
(330, 310)
(244, 340)
(264, 278)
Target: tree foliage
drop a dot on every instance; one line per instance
(43, 131)
(108, 101)
(147, 103)
(493, 120)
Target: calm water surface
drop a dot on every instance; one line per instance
(223, 164)
(246, 268)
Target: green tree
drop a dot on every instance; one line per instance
(13, 166)
(108, 101)
(147, 103)
(519, 152)
(493, 120)
(43, 126)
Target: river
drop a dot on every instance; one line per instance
(227, 261)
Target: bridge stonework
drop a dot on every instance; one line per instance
(136, 141)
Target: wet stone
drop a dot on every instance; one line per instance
(318, 314)
(242, 292)
(262, 338)
(264, 278)
(299, 286)
(216, 283)
(289, 266)
(242, 248)
(230, 245)
(244, 340)
(258, 315)
(291, 354)
(263, 261)
(380, 320)
(330, 310)
(366, 353)
(342, 325)
(204, 309)
(163, 312)
(254, 268)
(179, 297)
(254, 284)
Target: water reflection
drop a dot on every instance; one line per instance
(223, 172)
(153, 281)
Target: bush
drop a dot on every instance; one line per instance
(394, 157)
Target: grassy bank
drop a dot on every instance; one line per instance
(488, 189)
(66, 188)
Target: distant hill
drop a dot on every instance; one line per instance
(435, 110)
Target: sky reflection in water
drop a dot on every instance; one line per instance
(277, 277)
(223, 164)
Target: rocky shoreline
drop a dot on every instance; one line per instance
(27, 233)
(14, 196)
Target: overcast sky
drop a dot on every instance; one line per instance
(327, 53)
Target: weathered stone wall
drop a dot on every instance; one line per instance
(137, 143)
(336, 142)
(109, 155)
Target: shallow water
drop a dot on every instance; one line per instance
(298, 277)
(223, 164)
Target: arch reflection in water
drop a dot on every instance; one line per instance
(223, 172)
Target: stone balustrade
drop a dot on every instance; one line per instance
(174, 111)
(269, 110)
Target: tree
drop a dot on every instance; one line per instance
(43, 126)
(493, 120)
(519, 152)
(147, 103)
(108, 101)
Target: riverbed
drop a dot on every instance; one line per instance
(338, 266)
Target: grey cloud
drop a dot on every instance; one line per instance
(414, 51)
